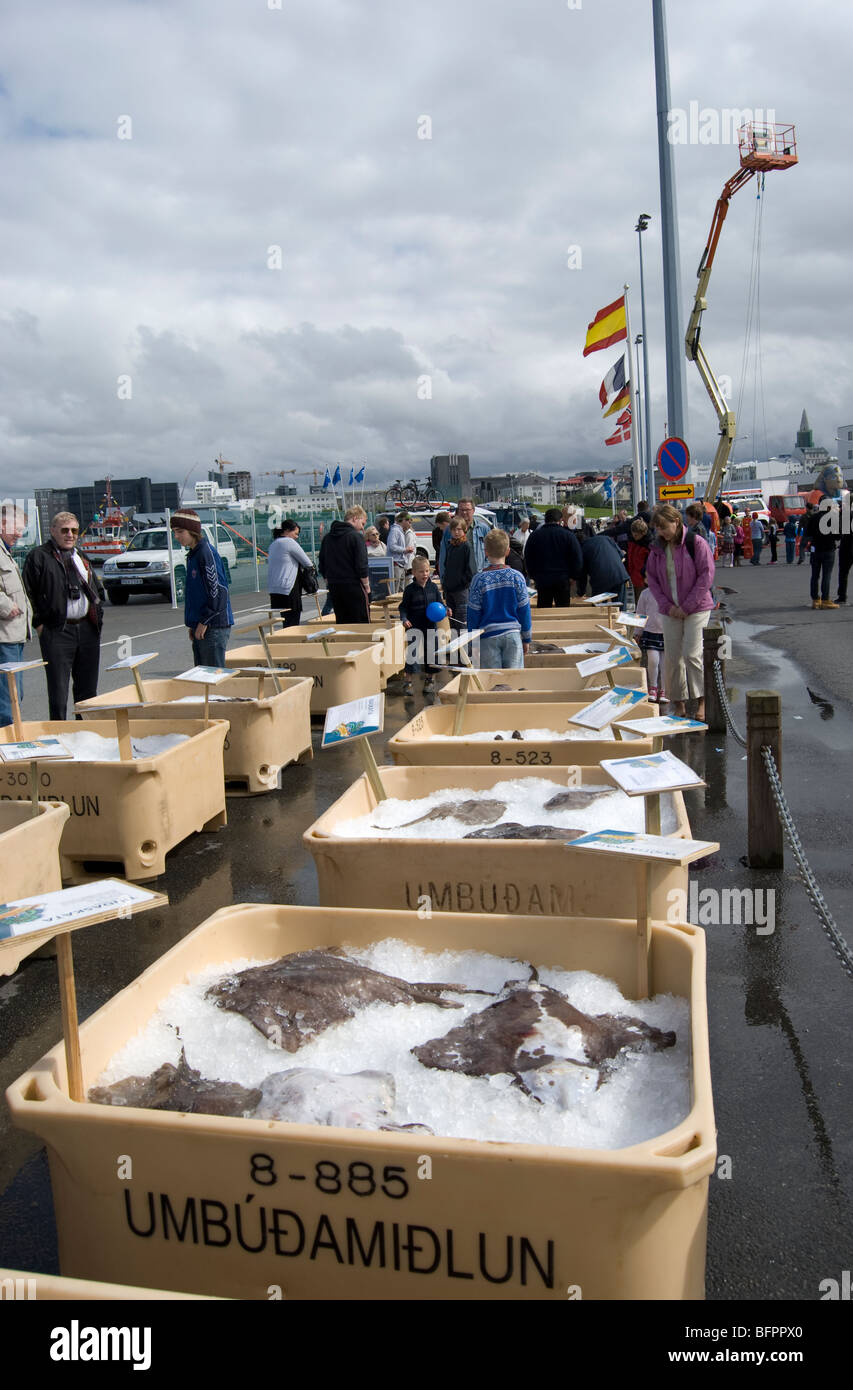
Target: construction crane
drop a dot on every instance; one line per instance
(314, 473)
(761, 147)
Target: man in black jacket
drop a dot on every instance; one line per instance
(604, 567)
(67, 598)
(553, 559)
(822, 538)
(343, 564)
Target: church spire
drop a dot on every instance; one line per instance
(805, 436)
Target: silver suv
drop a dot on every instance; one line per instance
(144, 567)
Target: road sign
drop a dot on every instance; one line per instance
(674, 490)
(673, 458)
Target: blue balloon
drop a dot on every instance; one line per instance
(435, 612)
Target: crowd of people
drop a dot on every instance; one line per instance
(481, 577)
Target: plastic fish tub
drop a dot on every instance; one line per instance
(558, 683)
(388, 646)
(425, 738)
(25, 1286)
(554, 661)
(236, 1207)
(337, 679)
(532, 877)
(266, 732)
(29, 850)
(132, 813)
(578, 613)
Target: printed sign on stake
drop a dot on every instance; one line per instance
(604, 710)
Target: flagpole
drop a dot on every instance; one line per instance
(635, 451)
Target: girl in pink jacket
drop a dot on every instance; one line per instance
(680, 573)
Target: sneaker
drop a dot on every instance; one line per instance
(827, 603)
(654, 694)
(840, 602)
(816, 603)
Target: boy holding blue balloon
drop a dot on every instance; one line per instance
(421, 609)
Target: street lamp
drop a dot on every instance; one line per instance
(642, 223)
(637, 341)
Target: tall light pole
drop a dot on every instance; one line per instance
(642, 223)
(637, 341)
(676, 376)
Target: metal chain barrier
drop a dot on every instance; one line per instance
(815, 896)
(724, 701)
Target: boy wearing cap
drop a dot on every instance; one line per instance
(207, 607)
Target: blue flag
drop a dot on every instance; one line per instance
(359, 477)
(350, 477)
(327, 480)
(337, 476)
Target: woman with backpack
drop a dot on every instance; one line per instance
(680, 574)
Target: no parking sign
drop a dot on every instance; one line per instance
(673, 458)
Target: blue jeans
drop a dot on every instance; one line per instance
(210, 649)
(790, 550)
(756, 552)
(822, 562)
(503, 652)
(9, 651)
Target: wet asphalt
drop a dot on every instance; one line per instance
(779, 1004)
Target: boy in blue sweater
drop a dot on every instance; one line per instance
(498, 602)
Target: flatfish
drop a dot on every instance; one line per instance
(178, 1088)
(470, 812)
(308, 1096)
(517, 1035)
(576, 798)
(299, 996)
(512, 830)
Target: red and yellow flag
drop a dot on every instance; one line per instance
(608, 327)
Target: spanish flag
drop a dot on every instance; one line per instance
(608, 327)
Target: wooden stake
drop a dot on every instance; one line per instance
(261, 686)
(371, 768)
(266, 646)
(207, 706)
(465, 660)
(644, 931)
(16, 707)
(125, 747)
(140, 688)
(461, 701)
(34, 788)
(653, 814)
(68, 1001)
(319, 608)
(711, 647)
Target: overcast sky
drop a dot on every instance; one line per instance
(141, 267)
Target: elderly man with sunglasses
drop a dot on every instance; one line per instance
(67, 599)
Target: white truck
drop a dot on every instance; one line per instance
(144, 567)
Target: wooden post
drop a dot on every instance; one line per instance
(765, 842)
(653, 814)
(714, 717)
(207, 706)
(34, 789)
(68, 1001)
(466, 661)
(461, 701)
(266, 646)
(371, 768)
(140, 688)
(17, 724)
(125, 747)
(644, 930)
